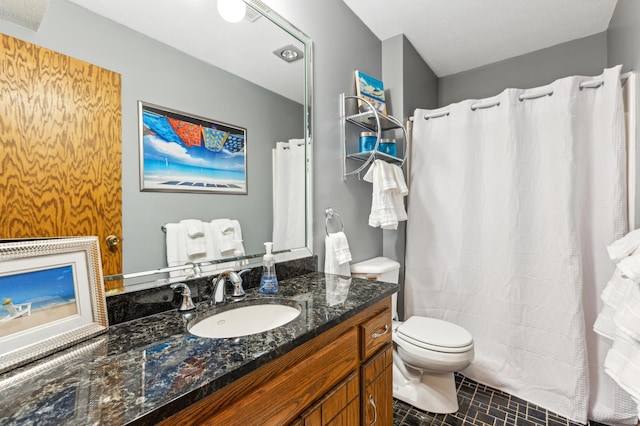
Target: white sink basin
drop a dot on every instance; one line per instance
(248, 318)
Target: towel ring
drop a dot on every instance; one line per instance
(330, 214)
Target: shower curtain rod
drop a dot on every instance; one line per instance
(593, 84)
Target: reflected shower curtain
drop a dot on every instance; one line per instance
(289, 165)
(511, 208)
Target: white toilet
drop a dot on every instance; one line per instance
(426, 352)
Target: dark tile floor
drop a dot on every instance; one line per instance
(481, 406)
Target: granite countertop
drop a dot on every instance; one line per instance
(145, 370)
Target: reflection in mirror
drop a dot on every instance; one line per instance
(230, 73)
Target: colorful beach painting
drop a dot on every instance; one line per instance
(37, 297)
(185, 153)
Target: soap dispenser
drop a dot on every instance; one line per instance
(268, 281)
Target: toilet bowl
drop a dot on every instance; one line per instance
(426, 351)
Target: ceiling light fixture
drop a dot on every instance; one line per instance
(232, 10)
(289, 53)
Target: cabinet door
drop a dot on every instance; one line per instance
(340, 406)
(377, 389)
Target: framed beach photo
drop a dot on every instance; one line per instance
(180, 152)
(52, 297)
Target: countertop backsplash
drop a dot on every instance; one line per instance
(133, 305)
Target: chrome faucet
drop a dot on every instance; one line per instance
(236, 280)
(187, 302)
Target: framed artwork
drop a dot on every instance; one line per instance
(52, 296)
(372, 90)
(181, 152)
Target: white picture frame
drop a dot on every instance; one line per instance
(51, 297)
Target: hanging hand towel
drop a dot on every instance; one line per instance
(389, 188)
(194, 227)
(400, 192)
(225, 236)
(623, 247)
(331, 264)
(341, 247)
(196, 247)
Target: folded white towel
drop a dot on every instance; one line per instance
(176, 248)
(619, 319)
(622, 364)
(331, 265)
(630, 267)
(196, 248)
(604, 324)
(227, 238)
(623, 247)
(627, 317)
(340, 247)
(194, 227)
(616, 290)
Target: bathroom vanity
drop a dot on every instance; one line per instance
(330, 364)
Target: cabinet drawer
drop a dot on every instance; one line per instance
(375, 333)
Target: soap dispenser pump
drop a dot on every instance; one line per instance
(268, 281)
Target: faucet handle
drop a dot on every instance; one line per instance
(187, 302)
(236, 280)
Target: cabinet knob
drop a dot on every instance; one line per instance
(112, 241)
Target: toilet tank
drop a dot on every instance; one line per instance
(379, 269)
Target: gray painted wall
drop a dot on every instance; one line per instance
(623, 47)
(158, 74)
(586, 56)
(341, 44)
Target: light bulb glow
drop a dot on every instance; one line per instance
(232, 10)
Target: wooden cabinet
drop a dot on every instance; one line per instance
(377, 389)
(321, 382)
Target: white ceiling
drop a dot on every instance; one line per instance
(458, 35)
(195, 28)
(451, 35)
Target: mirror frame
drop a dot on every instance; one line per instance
(254, 260)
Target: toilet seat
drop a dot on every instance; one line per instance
(436, 335)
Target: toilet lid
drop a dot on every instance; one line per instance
(432, 333)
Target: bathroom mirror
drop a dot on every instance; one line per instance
(250, 86)
(265, 94)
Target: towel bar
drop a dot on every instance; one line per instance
(330, 214)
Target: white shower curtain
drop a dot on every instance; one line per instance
(510, 210)
(289, 165)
